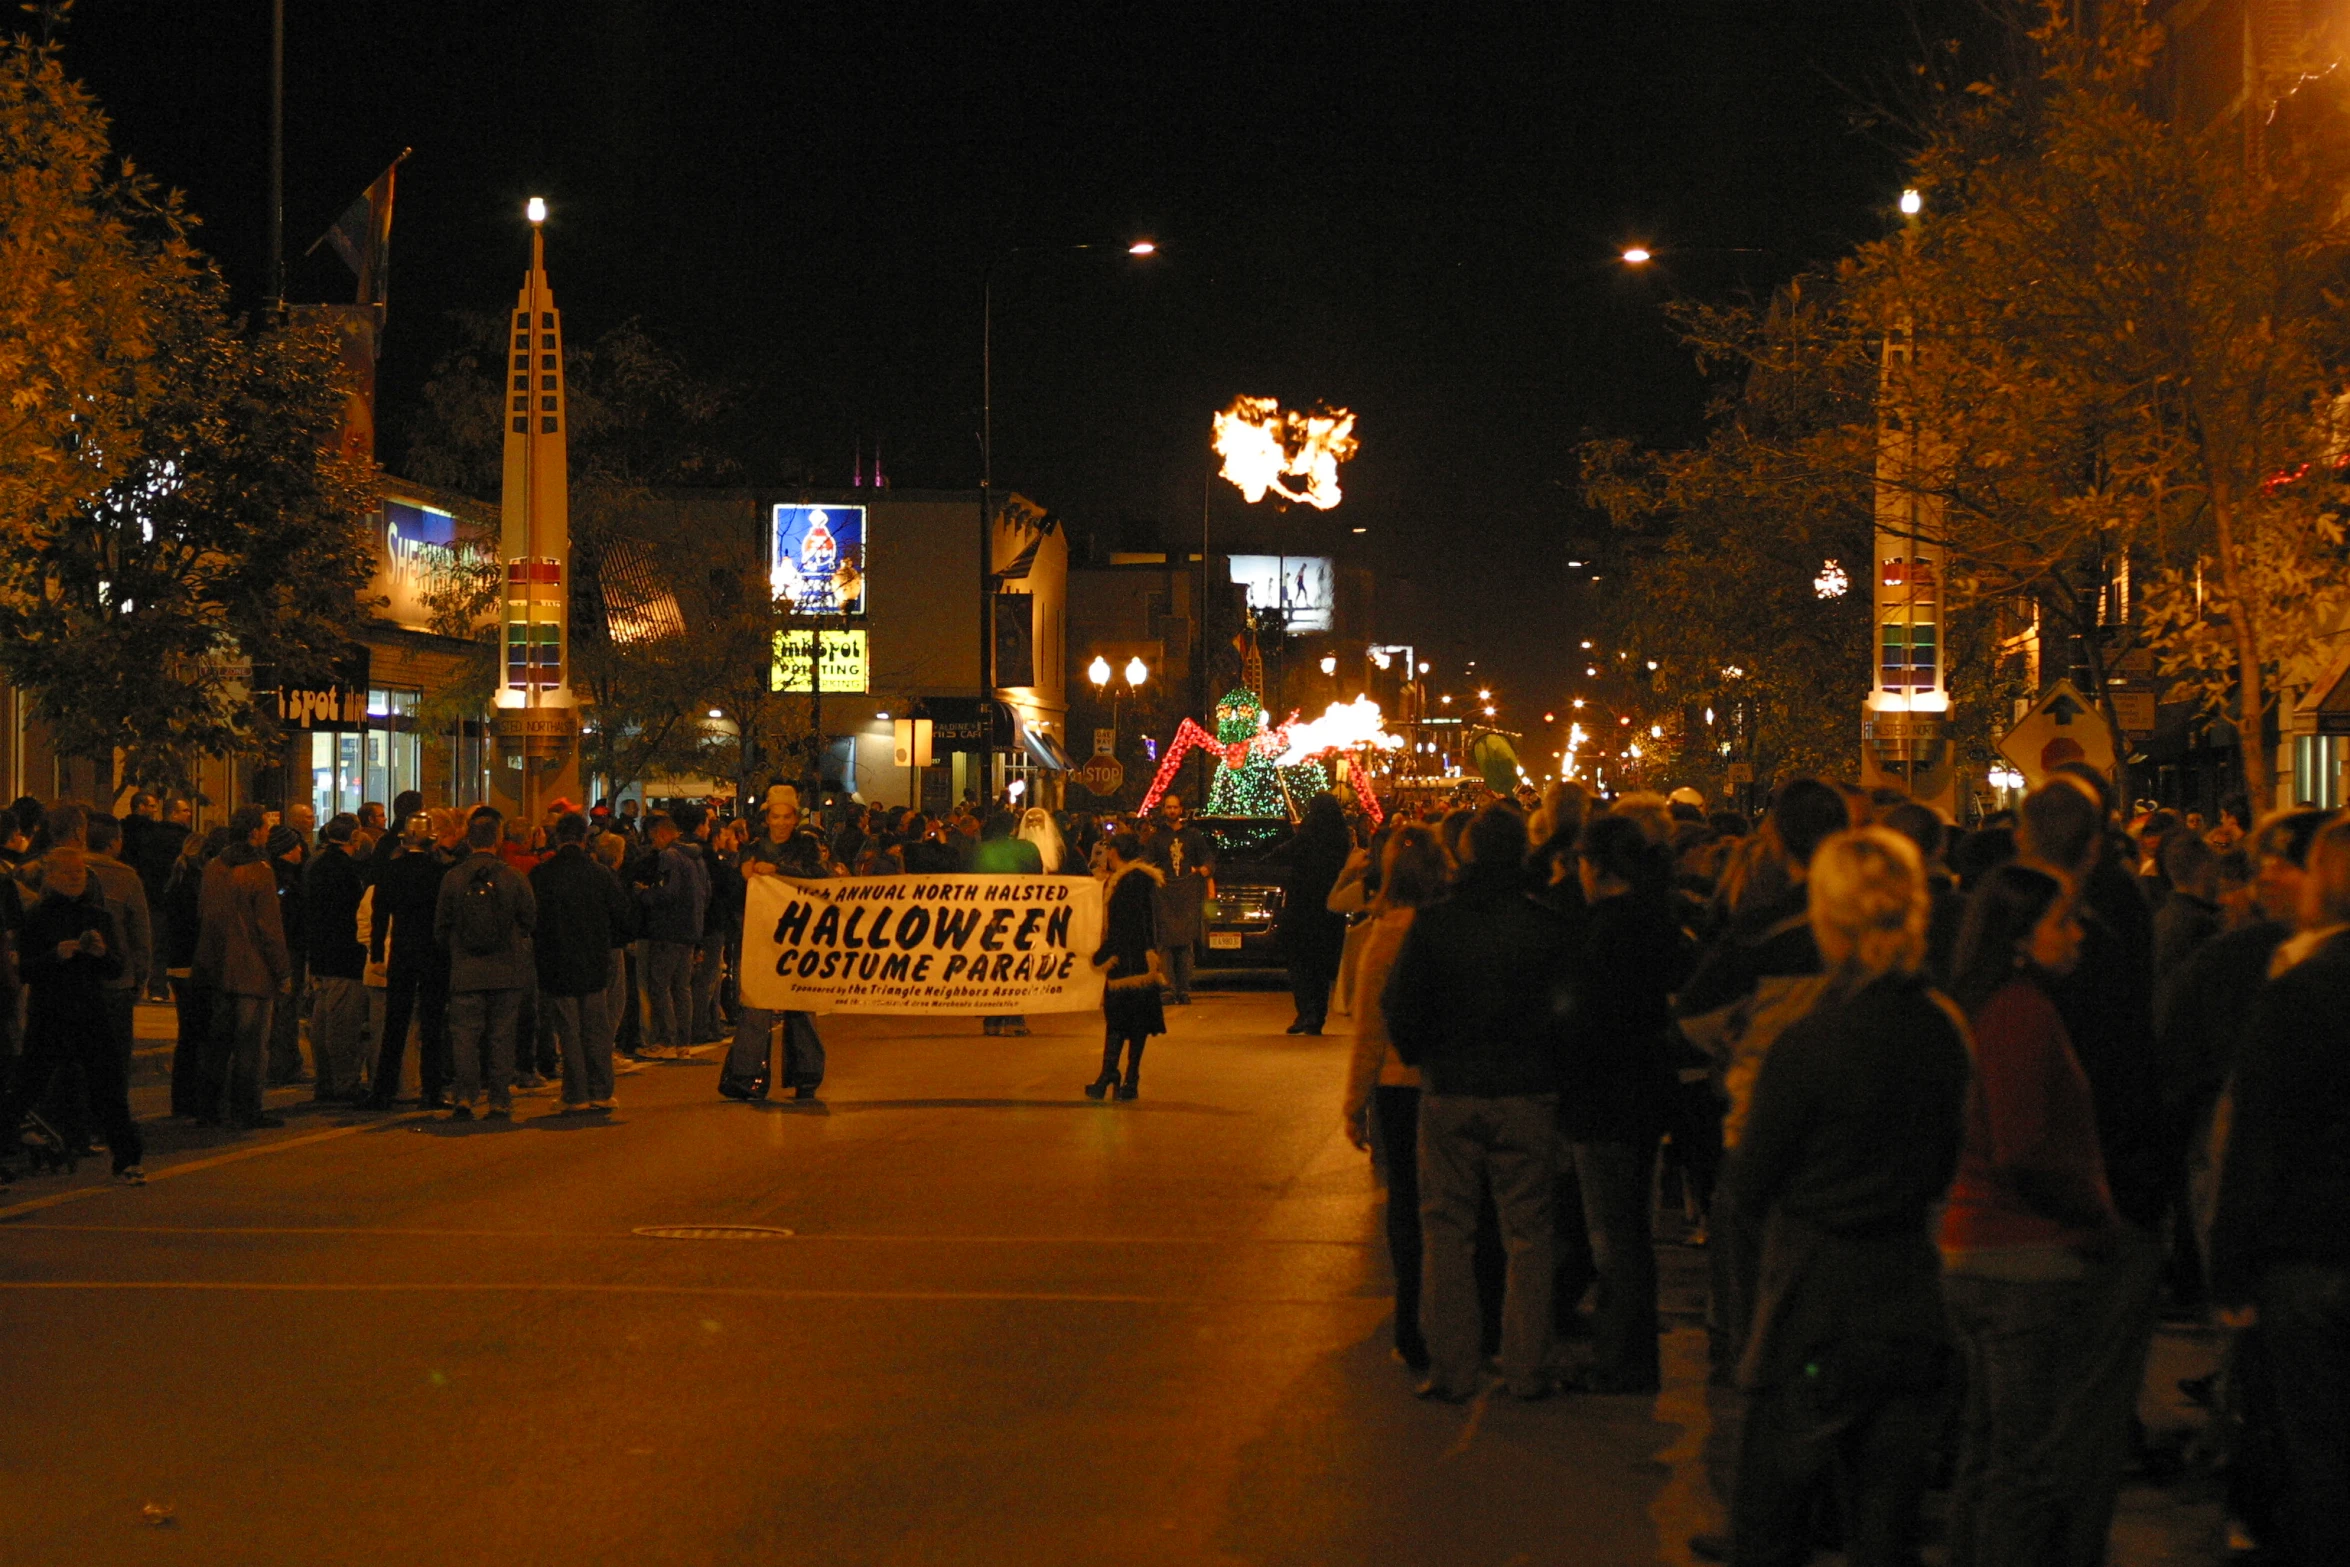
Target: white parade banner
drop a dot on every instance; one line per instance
(969, 945)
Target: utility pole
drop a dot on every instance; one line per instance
(277, 157)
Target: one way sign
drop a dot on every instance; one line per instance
(2063, 726)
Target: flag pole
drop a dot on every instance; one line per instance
(277, 157)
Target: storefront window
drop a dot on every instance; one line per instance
(348, 770)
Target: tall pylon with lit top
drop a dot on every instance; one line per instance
(538, 718)
(1904, 719)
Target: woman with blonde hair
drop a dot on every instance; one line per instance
(1411, 873)
(1850, 1141)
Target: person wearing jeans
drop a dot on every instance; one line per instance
(2030, 1238)
(241, 955)
(484, 917)
(1471, 1144)
(1474, 1002)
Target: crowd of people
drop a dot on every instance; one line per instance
(513, 955)
(1959, 1115)
(1963, 1115)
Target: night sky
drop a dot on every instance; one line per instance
(1410, 210)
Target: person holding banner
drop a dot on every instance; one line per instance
(1131, 1011)
(784, 848)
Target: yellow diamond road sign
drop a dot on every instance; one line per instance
(2063, 726)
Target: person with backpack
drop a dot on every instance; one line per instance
(484, 917)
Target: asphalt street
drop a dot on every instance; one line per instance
(979, 1319)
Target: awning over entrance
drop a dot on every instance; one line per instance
(1041, 746)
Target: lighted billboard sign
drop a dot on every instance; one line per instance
(844, 671)
(816, 558)
(422, 547)
(1299, 586)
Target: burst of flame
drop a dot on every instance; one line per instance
(1264, 449)
(1342, 727)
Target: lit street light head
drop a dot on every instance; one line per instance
(1137, 671)
(1636, 256)
(535, 209)
(1912, 203)
(1143, 247)
(1098, 671)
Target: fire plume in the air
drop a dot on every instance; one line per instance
(1294, 455)
(1343, 726)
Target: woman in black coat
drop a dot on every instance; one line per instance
(1312, 938)
(1131, 1012)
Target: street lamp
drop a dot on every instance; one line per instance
(1136, 672)
(1912, 203)
(535, 209)
(1141, 249)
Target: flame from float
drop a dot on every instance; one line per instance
(1264, 449)
(1343, 726)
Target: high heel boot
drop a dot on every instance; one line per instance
(1108, 1079)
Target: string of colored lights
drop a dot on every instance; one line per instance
(1188, 735)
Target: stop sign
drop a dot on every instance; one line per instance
(1104, 775)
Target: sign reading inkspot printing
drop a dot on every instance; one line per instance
(984, 945)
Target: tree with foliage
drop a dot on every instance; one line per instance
(2129, 339)
(1722, 547)
(2117, 339)
(183, 526)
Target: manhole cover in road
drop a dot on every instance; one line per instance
(713, 1232)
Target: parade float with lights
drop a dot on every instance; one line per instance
(1268, 769)
(1264, 769)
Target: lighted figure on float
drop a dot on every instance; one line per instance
(1267, 770)
(1249, 776)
